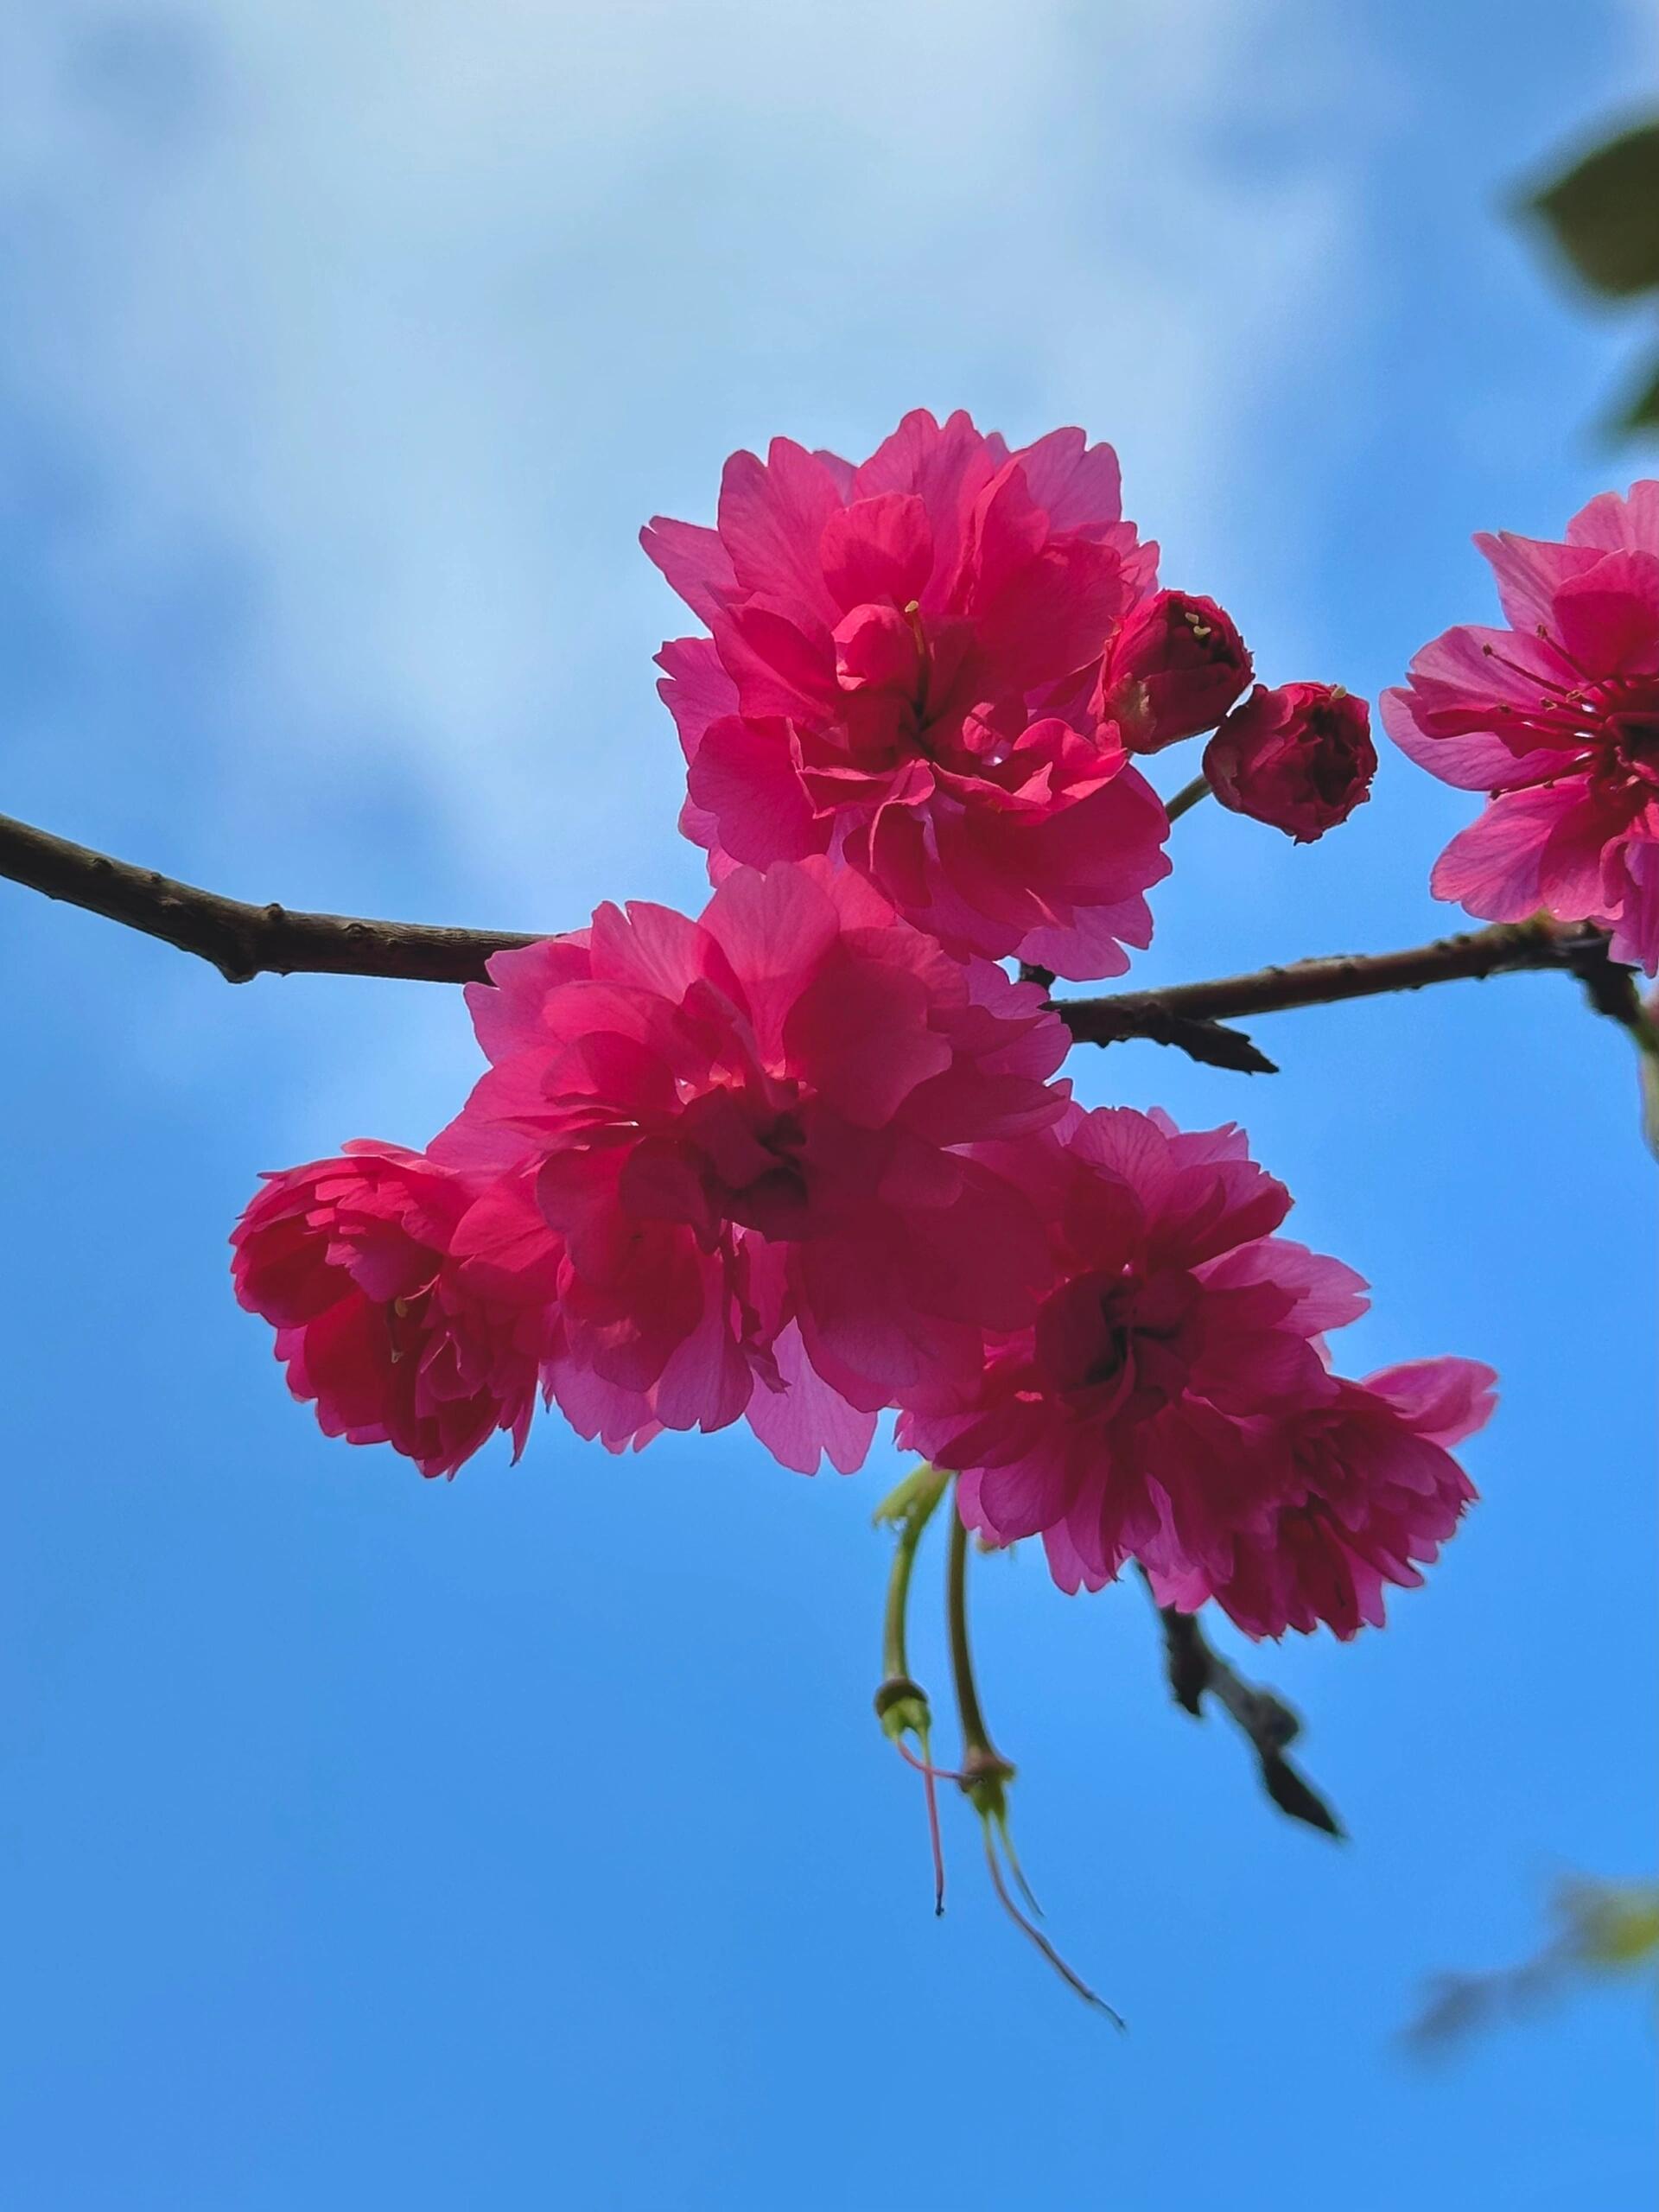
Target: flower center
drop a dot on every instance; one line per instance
(1610, 724)
(749, 1154)
(1121, 1341)
(900, 679)
(1634, 731)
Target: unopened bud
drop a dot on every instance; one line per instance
(1300, 759)
(1171, 671)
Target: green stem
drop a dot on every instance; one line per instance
(975, 1738)
(984, 1770)
(919, 1511)
(984, 1773)
(901, 1704)
(1186, 798)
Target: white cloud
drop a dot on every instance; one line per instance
(408, 316)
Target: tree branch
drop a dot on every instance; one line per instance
(1264, 1718)
(242, 941)
(1171, 1015)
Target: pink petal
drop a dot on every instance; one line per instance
(1492, 867)
(774, 929)
(745, 778)
(695, 563)
(1608, 619)
(772, 520)
(696, 688)
(1529, 571)
(861, 1038)
(1478, 763)
(878, 549)
(807, 1421)
(1620, 524)
(1446, 1400)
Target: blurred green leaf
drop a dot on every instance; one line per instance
(1604, 214)
(1603, 1930)
(1612, 1926)
(1649, 1071)
(1641, 413)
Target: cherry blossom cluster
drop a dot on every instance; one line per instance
(808, 1158)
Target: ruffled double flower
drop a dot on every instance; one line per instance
(805, 1158)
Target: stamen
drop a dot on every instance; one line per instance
(1531, 675)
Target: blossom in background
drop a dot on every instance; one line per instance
(747, 1137)
(1557, 718)
(353, 1261)
(1359, 1490)
(1147, 1410)
(902, 673)
(1300, 759)
(1171, 670)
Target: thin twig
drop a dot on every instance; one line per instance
(1504, 949)
(242, 940)
(1264, 1718)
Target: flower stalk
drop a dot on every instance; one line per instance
(901, 1703)
(985, 1774)
(1187, 798)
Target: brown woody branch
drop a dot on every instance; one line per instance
(242, 940)
(1190, 1015)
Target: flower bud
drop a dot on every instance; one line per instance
(1174, 670)
(1300, 759)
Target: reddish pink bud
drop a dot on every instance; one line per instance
(1172, 670)
(1300, 759)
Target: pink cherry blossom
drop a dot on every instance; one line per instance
(900, 674)
(1363, 1491)
(1173, 669)
(353, 1262)
(1125, 1420)
(749, 1137)
(1556, 718)
(1300, 759)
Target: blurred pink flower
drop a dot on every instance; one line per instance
(1364, 1491)
(900, 674)
(1171, 670)
(1125, 1418)
(1557, 718)
(748, 1135)
(352, 1262)
(1300, 759)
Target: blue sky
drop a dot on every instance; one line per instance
(527, 1840)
